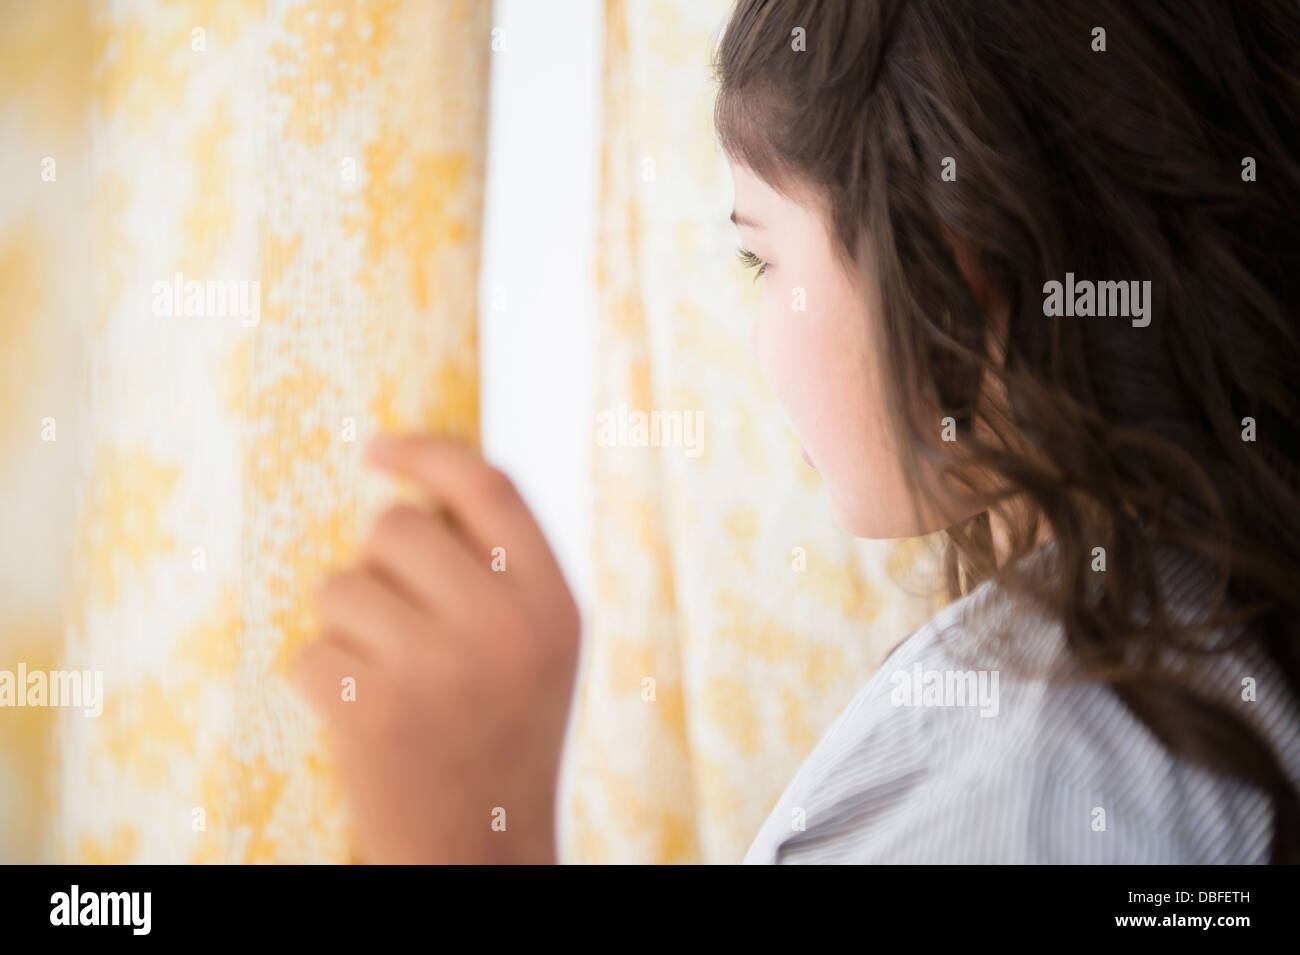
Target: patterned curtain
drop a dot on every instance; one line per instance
(280, 245)
(732, 621)
(44, 288)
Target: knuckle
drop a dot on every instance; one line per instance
(343, 591)
(391, 525)
(521, 649)
(334, 591)
(315, 672)
(498, 487)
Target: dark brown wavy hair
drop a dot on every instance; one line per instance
(1171, 156)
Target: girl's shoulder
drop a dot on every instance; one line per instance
(949, 755)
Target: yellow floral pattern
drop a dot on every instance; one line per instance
(712, 662)
(44, 287)
(207, 469)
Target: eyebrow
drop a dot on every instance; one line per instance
(741, 220)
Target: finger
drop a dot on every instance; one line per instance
(424, 557)
(368, 612)
(482, 500)
(348, 643)
(323, 670)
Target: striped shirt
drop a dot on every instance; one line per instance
(936, 761)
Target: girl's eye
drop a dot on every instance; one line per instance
(751, 261)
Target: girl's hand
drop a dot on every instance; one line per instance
(463, 658)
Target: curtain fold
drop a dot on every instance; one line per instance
(732, 621)
(286, 217)
(44, 288)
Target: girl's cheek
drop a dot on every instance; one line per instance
(788, 354)
(771, 349)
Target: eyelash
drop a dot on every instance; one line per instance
(751, 261)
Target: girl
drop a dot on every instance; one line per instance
(1051, 261)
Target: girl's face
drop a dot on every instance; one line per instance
(812, 339)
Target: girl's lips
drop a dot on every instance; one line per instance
(804, 452)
